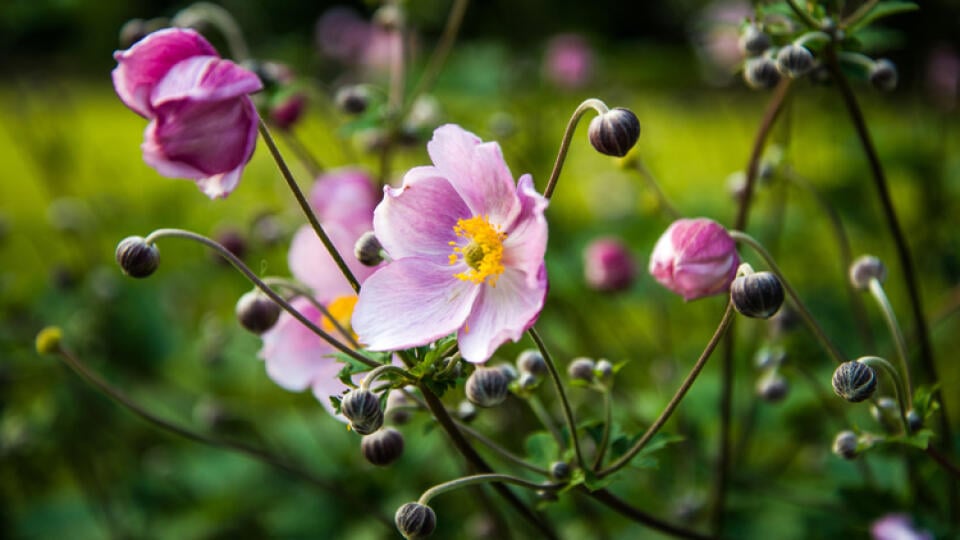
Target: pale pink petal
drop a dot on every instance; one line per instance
(417, 219)
(411, 302)
(311, 263)
(502, 313)
(204, 78)
(324, 387)
(143, 65)
(477, 171)
(218, 186)
(526, 241)
(346, 196)
(296, 357)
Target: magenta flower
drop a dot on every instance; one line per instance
(695, 258)
(467, 246)
(897, 527)
(569, 61)
(608, 265)
(203, 125)
(296, 358)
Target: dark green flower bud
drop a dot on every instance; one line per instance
(532, 362)
(352, 99)
(794, 61)
(761, 73)
(382, 447)
(362, 409)
(415, 520)
(257, 312)
(883, 76)
(136, 257)
(560, 470)
(758, 295)
(753, 41)
(581, 369)
(845, 444)
(864, 269)
(487, 387)
(854, 381)
(368, 250)
(772, 387)
(614, 132)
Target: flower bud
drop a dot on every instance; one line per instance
(695, 258)
(761, 73)
(234, 241)
(864, 269)
(772, 387)
(794, 61)
(352, 99)
(608, 266)
(886, 412)
(845, 444)
(614, 132)
(466, 411)
(758, 295)
(382, 447)
(288, 110)
(487, 387)
(257, 312)
(603, 371)
(136, 257)
(854, 381)
(883, 75)
(914, 422)
(362, 409)
(753, 41)
(132, 31)
(532, 362)
(581, 369)
(415, 520)
(48, 340)
(396, 411)
(509, 371)
(527, 381)
(560, 470)
(368, 250)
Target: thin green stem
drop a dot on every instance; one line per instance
(306, 293)
(380, 370)
(605, 437)
(898, 388)
(246, 271)
(876, 290)
(486, 478)
(625, 509)
(502, 452)
(801, 307)
(588, 104)
(442, 50)
(803, 14)
(561, 393)
(854, 17)
(623, 460)
(305, 206)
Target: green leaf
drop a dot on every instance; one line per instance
(920, 439)
(882, 9)
(541, 448)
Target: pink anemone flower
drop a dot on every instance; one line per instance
(295, 357)
(467, 246)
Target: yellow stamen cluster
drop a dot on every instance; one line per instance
(483, 253)
(341, 309)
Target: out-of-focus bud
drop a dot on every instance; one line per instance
(569, 61)
(695, 258)
(753, 41)
(233, 240)
(415, 520)
(560, 470)
(509, 371)
(897, 527)
(770, 357)
(48, 340)
(382, 447)
(845, 444)
(614, 132)
(608, 266)
(761, 73)
(864, 269)
(389, 17)
(132, 31)
(487, 387)
(883, 75)
(758, 295)
(352, 99)
(531, 361)
(368, 249)
(466, 411)
(604, 371)
(854, 381)
(886, 412)
(257, 312)
(772, 387)
(581, 369)
(397, 410)
(136, 257)
(288, 110)
(914, 422)
(362, 409)
(794, 61)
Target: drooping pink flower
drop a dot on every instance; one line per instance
(608, 265)
(897, 527)
(695, 258)
(569, 61)
(295, 357)
(467, 246)
(203, 125)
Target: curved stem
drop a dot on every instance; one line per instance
(257, 454)
(801, 307)
(238, 264)
(803, 14)
(876, 290)
(305, 206)
(306, 293)
(501, 451)
(623, 508)
(222, 20)
(898, 389)
(861, 11)
(676, 399)
(605, 438)
(442, 50)
(588, 104)
(558, 386)
(483, 479)
(380, 370)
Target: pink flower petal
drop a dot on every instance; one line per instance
(204, 78)
(501, 313)
(417, 219)
(411, 302)
(526, 242)
(346, 196)
(143, 65)
(312, 265)
(296, 357)
(477, 171)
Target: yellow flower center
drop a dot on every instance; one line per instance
(341, 309)
(483, 252)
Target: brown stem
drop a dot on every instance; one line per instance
(623, 508)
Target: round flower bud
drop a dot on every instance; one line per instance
(415, 520)
(509, 371)
(603, 370)
(854, 381)
(48, 340)
(286, 112)
(362, 409)
(487, 387)
(560, 470)
(794, 61)
(753, 41)
(531, 361)
(845, 444)
(772, 387)
(761, 73)
(886, 412)
(527, 381)
(352, 99)
(758, 295)
(614, 132)
(581, 369)
(382, 447)
(883, 76)
(368, 250)
(695, 258)
(397, 411)
(608, 265)
(864, 269)
(914, 422)
(136, 257)
(257, 312)
(466, 411)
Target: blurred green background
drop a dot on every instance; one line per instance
(74, 465)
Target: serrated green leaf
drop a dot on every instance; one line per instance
(882, 9)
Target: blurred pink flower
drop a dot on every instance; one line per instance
(715, 36)
(343, 35)
(203, 125)
(608, 265)
(569, 61)
(695, 258)
(296, 358)
(897, 527)
(943, 76)
(288, 110)
(467, 246)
